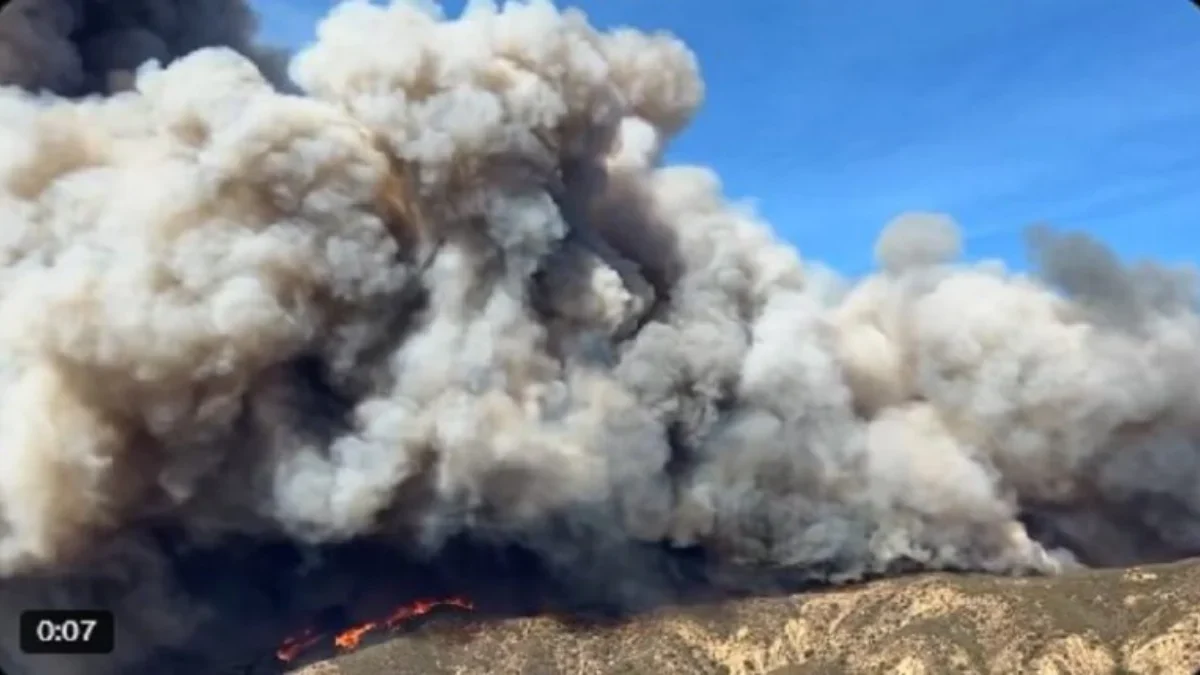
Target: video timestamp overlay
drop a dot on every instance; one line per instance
(67, 631)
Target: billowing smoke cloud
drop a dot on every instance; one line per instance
(451, 289)
(76, 47)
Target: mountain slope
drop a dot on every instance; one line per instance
(1143, 620)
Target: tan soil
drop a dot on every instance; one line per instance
(1144, 621)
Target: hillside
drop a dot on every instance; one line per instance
(1144, 620)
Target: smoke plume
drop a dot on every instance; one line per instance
(77, 47)
(450, 289)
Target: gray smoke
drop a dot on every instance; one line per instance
(452, 288)
(77, 47)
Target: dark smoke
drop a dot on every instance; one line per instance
(78, 47)
(445, 320)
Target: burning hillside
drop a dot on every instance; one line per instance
(350, 638)
(439, 323)
(1141, 621)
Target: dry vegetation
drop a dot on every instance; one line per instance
(1144, 621)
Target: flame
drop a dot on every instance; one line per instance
(405, 612)
(294, 646)
(350, 638)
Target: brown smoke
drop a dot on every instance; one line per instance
(451, 291)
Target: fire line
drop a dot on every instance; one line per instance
(350, 638)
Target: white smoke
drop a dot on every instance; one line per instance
(452, 288)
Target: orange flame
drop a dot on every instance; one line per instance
(350, 638)
(296, 645)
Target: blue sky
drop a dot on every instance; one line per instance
(835, 115)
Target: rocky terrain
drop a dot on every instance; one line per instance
(1144, 620)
